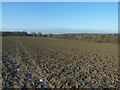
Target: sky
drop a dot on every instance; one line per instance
(60, 17)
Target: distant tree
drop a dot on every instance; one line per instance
(65, 35)
(45, 35)
(22, 33)
(34, 34)
(39, 34)
(50, 35)
(29, 35)
(14, 33)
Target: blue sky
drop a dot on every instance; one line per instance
(60, 17)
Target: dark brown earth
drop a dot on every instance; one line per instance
(35, 62)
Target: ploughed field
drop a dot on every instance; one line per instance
(35, 62)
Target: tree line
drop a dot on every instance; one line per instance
(109, 38)
(39, 34)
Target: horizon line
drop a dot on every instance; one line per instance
(68, 32)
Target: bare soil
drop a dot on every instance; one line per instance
(34, 62)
